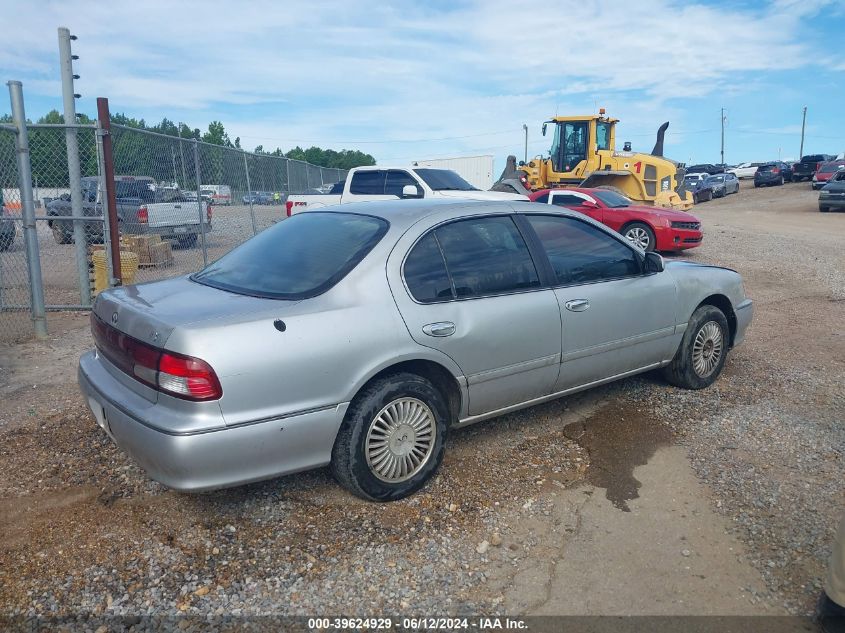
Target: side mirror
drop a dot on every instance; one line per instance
(411, 191)
(653, 263)
(588, 204)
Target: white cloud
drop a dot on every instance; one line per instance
(329, 72)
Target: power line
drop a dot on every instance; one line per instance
(419, 140)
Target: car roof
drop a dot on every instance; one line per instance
(405, 213)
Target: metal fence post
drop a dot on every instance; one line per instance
(199, 203)
(73, 170)
(287, 169)
(249, 196)
(33, 260)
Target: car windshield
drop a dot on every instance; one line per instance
(828, 169)
(611, 198)
(444, 180)
(298, 258)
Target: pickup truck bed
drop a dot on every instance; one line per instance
(139, 211)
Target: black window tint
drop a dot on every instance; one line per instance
(580, 253)
(301, 257)
(368, 183)
(425, 272)
(396, 179)
(567, 200)
(487, 256)
(544, 199)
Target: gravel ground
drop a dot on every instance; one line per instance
(87, 531)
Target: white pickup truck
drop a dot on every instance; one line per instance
(395, 183)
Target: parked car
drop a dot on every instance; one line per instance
(704, 168)
(807, 167)
(340, 336)
(769, 174)
(7, 227)
(650, 228)
(745, 170)
(391, 183)
(190, 196)
(141, 209)
(832, 195)
(723, 184)
(697, 185)
(826, 170)
(258, 197)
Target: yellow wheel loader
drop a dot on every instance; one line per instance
(583, 154)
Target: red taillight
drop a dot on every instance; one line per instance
(288, 207)
(143, 215)
(177, 375)
(775, 170)
(187, 377)
(208, 211)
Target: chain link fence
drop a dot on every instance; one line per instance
(181, 204)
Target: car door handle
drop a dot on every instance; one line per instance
(443, 328)
(577, 305)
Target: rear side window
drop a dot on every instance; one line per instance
(581, 253)
(368, 183)
(299, 258)
(544, 199)
(425, 272)
(486, 256)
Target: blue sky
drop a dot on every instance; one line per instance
(418, 80)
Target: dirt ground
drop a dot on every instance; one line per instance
(633, 498)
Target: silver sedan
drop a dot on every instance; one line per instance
(357, 336)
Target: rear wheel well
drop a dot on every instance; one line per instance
(437, 374)
(724, 304)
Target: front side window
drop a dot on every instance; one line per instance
(486, 256)
(612, 199)
(568, 200)
(368, 183)
(299, 258)
(581, 253)
(396, 180)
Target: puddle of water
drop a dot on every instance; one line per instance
(618, 439)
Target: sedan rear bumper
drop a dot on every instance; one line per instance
(212, 458)
(832, 203)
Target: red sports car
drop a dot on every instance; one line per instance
(650, 228)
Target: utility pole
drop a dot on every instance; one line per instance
(74, 173)
(525, 127)
(723, 136)
(803, 123)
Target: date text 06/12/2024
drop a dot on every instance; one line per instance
(418, 623)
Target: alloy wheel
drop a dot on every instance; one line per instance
(638, 236)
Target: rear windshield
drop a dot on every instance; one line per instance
(444, 180)
(829, 168)
(298, 258)
(766, 167)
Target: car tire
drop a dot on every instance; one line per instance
(640, 234)
(187, 241)
(702, 352)
(363, 460)
(781, 181)
(59, 234)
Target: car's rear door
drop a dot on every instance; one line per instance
(470, 289)
(616, 319)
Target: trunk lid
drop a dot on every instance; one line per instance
(151, 312)
(162, 214)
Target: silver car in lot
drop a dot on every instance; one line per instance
(356, 336)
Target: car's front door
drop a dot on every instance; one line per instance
(470, 289)
(616, 319)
